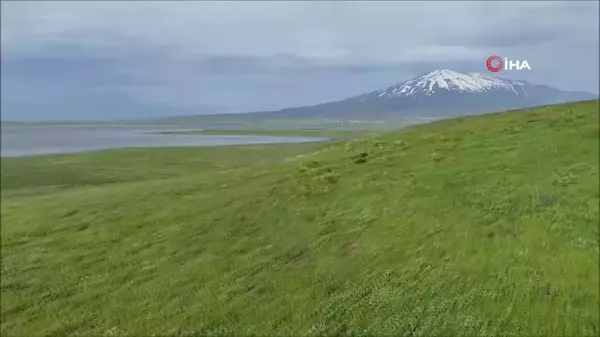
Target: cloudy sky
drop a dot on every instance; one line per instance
(82, 60)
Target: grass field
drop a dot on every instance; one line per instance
(484, 225)
(333, 134)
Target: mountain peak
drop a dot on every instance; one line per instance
(441, 92)
(440, 80)
(442, 72)
(448, 75)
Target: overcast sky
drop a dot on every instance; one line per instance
(111, 60)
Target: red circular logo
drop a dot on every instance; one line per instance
(499, 65)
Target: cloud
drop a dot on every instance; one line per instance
(390, 30)
(237, 56)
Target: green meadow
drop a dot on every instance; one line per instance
(331, 134)
(479, 226)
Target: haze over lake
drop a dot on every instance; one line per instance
(37, 140)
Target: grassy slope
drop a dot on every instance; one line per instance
(482, 225)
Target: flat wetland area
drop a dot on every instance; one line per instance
(31, 140)
(483, 225)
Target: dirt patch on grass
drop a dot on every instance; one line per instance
(352, 250)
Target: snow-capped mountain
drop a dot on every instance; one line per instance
(444, 79)
(440, 93)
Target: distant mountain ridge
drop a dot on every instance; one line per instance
(439, 93)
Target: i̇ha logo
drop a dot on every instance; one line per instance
(496, 63)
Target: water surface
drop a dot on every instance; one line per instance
(48, 139)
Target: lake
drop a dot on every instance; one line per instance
(48, 139)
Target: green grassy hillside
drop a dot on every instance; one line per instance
(483, 226)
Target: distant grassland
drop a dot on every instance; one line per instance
(485, 225)
(336, 134)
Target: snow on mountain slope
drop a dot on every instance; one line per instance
(448, 80)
